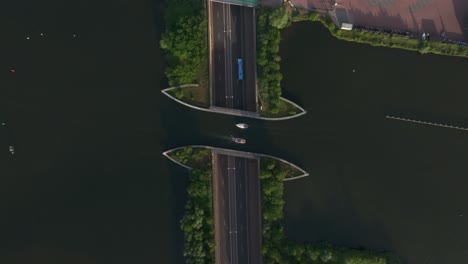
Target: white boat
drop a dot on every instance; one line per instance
(242, 126)
(238, 140)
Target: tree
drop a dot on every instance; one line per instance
(186, 49)
(279, 18)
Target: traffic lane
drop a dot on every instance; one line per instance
(218, 205)
(233, 212)
(225, 243)
(218, 55)
(217, 22)
(242, 218)
(240, 209)
(237, 43)
(219, 75)
(254, 211)
(228, 61)
(249, 53)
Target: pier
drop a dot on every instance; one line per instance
(425, 122)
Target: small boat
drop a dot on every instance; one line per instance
(238, 140)
(242, 126)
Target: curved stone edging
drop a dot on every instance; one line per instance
(304, 173)
(237, 153)
(287, 117)
(166, 92)
(233, 113)
(166, 154)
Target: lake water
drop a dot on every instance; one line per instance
(375, 182)
(88, 183)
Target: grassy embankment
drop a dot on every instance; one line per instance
(197, 223)
(384, 40)
(186, 46)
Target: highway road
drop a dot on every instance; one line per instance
(238, 225)
(233, 37)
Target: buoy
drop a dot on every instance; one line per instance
(27, 37)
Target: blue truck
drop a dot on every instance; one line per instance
(239, 67)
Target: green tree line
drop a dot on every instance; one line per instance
(185, 41)
(269, 24)
(197, 222)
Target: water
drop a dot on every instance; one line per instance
(375, 182)
(88, 183)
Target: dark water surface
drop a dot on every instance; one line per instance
(88, 183)
(375, 182)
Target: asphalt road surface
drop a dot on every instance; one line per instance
(238, 206)
(233, 37)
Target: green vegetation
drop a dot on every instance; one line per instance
(283, 109)
(193, 157)
(277, 249)
(197, 222)
(269, 25)
(186, 46)
(381, 39)
(194, 95)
